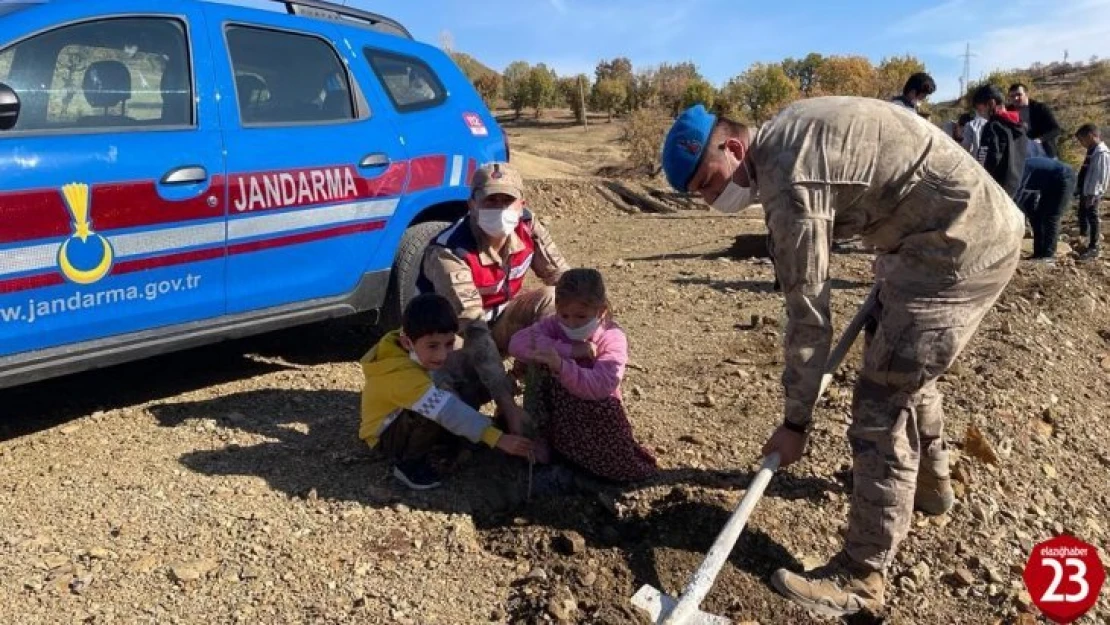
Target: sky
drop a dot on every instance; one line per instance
(724, 37)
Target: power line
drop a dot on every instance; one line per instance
(964, 80)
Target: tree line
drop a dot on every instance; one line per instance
(616, 88)
(1078, 92)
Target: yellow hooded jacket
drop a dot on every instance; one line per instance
(394, 382)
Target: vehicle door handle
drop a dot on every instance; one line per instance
(190, 174)
(377, 159)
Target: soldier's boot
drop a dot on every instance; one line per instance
(837, 589)
(934, 494)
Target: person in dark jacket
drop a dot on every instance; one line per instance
(1002, 143)
(1040, 123)
(1046, 188)
(917, 89)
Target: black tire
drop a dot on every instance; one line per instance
(406, 268)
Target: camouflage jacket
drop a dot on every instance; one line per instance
(841, 166)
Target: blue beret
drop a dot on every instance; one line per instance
(685, 145)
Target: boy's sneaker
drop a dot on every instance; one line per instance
(416, 474)
(1090, 253)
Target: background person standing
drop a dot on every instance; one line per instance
(1040, 122)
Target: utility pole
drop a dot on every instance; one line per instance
(582, 103)
(965, 80)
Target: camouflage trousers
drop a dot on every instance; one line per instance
(915, 334)
(476, 372)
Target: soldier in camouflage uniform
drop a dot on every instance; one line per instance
(947, 239)
(479, 264)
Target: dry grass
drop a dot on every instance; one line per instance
(557, 147)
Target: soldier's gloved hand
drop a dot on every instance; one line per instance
(789, 444)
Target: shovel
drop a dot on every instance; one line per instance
(685, 610)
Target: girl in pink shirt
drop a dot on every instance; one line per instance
(585, 353)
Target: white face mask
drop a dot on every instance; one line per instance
(581, 333)
(734, 198)
(498, 222)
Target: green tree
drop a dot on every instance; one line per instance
(845, 75)
(699, 91)
(671, 83)
(609, 96)
(619, 68)
(572, 89)
(540, 90)
(761, 91)
(804, 72)
(892, 73)
(644, 90)
(515, 86)
(488, 86)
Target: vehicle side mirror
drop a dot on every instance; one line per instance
(9, 107)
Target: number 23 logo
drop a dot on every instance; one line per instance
(1079, 577)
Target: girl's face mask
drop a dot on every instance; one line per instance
(583, 332)
(578, 320)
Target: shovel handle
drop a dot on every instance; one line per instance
(702, 580)
(848, 337)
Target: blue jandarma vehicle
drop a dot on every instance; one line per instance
(179, 172)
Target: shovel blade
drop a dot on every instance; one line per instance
(659, 604)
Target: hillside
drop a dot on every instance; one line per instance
(472, 67)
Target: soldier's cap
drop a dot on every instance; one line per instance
(685, 144)
(496, 177)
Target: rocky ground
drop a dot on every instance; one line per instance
(226, 484)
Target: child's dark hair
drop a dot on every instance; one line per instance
(583, 285)
(429, 313)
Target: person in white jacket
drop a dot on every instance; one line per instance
(1094, 178)
(971, 126)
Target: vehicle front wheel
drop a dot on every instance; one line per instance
(406, 269)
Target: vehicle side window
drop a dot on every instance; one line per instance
(115, 73)
(283, 78)
(410, 83)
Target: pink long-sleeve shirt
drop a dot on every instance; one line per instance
(588, 379)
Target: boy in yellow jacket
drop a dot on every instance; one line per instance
(403, 413)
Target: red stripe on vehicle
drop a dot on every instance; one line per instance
(427, 172)
(180, 258)
(471, 167)
(37, 281)
(42, 213)
(389, 184)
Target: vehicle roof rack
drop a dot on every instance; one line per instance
(323, 9)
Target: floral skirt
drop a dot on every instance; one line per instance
(594, 434)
